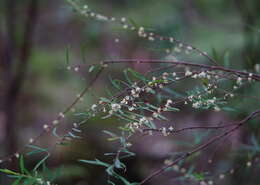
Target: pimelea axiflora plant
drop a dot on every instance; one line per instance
(147, 104)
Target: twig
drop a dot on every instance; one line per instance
(201, 147)
(191, 128)
(184, 63)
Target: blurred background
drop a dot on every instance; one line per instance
(35, 85)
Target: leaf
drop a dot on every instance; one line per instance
(173, 109)
(115, 83)
(215, 54)
(41, 162)
(152, 106)
(67, 55)
(83, 48)
(108, 92)
(127, 77)
(37, 148)
(110, 170)
(138, 75)
(21, 162)
(10, 172)
(110, 182)
(54, 132)
(129, 154)
(94, 68)
(22, 166)
(199, 176)
(113, 138)
(162, 117)
(230, 109)
(73, 135)
(109, 133)
(226, 59)
(172, 92)
(107, 116)
(150, 124)
(95, 162)
(133, 23)
(91, 68)
(112, 135)
(105, 100)
(109, 154)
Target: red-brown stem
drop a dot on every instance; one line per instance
(191, 128)
(184, 63)
(201, 147)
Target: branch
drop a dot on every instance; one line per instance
(148, 35)
(184, 63)
(201, 147)
(191, 128)
(47, 128)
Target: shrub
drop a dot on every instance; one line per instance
(155, 103)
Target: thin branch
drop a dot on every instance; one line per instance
(191, 128)
(184, 63)
(133, 28)
(59, 117)
(201, 147)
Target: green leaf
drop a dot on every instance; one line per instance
(152, 106)
(109, 133)
(226, 59)
(105, 100)
(115, 83)
(173, 109)
(215, 55)
(138, 75)
(109, 92)
(127, 77)
(67, 55)
(83, 48)
(73, 135)
(91, 68)
(133, 23)
(54, 132)
(94, 68)
(230, 109)
(95, 162)
(41, 162)
(110, 170)
(110, 182)
(21, 162)
(9, 172)
(199, 176)
(172, 92)
(37, 148)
